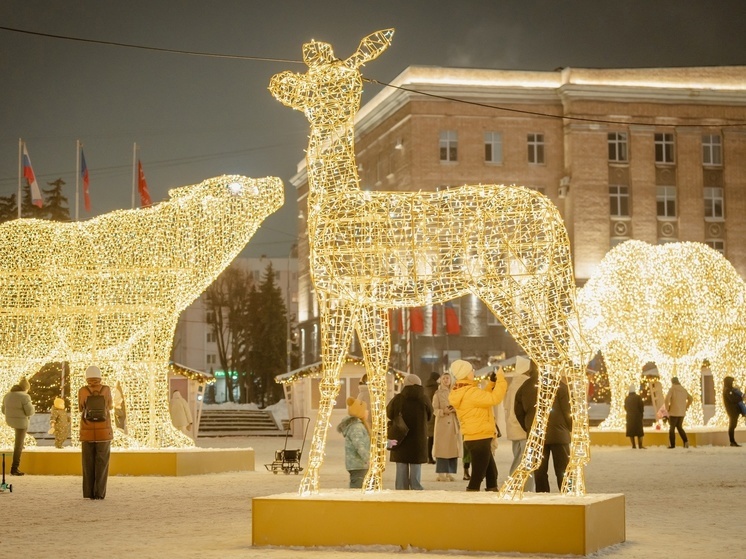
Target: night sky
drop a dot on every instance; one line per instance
(196, 117)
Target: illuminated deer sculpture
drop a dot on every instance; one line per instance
(109, 291)
(373, 251)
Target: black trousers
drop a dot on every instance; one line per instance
(732, 423)
(560, 458)
(95, 468)
(17, 449)
(482, 465)
(676, 423)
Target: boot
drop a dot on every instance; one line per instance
(441, 477)
(466, 472)
(450, 477)
(639, 443)
(633, 442)
(16, 472)
(686, 444)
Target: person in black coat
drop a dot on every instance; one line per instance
(559, 427)
(410, 453)
(635, 409)
(431, 387)
(731, 398)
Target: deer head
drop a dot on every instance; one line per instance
(329, 93)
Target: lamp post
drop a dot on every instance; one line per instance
(288, 341)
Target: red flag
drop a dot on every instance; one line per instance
(416, 321)
(452, 325)
(86, 182)
(391, 320)
(142, 187)
(28, 173)
(435, 321)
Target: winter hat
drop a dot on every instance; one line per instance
(521, 364)
(675, 380)
(59, 403)
(24, 384)
(409, 380)
(356, 408)
(461, 369)
(632, 388)
(92, 372)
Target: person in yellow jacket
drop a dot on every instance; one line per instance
(473, 407)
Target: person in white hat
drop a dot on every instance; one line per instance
(473, 407)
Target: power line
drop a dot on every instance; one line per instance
(143, 47)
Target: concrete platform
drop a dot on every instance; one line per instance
(159, 462)
(480, 521)
(697, 437)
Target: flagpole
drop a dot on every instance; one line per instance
(20, 170)
(134, 172)
(77, 178)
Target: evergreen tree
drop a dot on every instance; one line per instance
(28, 210)
(8, 208)
(56, 206)
(268, 336)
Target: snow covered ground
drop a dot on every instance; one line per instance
(681, 504)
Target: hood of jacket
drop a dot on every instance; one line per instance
(346, 423)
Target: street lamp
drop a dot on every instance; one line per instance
(288, 341)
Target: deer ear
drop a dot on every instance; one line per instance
(284, 87)
(370, 48)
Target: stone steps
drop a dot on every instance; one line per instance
(226, 422)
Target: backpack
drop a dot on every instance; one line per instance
(95, 407)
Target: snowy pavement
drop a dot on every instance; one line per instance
(681, 504)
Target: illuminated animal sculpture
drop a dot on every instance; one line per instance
(373, 251)
(109, 291)
(676, 304)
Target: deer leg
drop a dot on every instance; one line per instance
(580, 444)
(336, 333)
(513, 486)
(375, 339)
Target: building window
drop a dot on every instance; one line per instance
(210, 317)
(211, 337)
(717, 245)
(448, 145)
(712, 150)
(666, 201)
(212, 359)
(714, 202)
(664, 148)
(493, 147)
(536, 149)
(619, 200)
(618, 147)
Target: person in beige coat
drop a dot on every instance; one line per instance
(181, 415)
(678, 401)
(513, 429)
(446, 434)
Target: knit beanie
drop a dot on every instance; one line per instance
(461, 369)
(92, 372)
(356, 408)
(24, 384)
(409, 380)
(59, 403)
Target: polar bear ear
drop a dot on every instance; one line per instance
(370, 48)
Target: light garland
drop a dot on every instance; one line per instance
(109, 292)
(676, 304)
(373, 251)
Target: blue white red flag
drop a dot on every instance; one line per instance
(28, 172)
(86, 182)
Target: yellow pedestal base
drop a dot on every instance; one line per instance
(165, 462)
(481, 522)
(660, 438)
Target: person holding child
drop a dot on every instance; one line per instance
(354, 429)
(734, 407)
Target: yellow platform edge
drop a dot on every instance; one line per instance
(660, 438)
(536, 524)
(163, 462)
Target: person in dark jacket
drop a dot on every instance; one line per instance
(410, 453)
(95, 437)
(733, 402)
(431, 387)
(18, 409)
(559, 427)
(635, 409)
